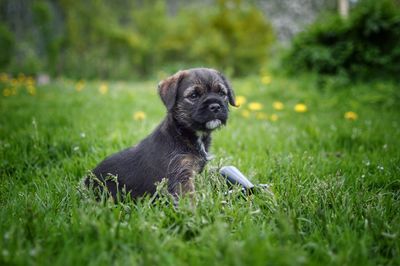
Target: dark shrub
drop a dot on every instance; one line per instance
(6, 46)
(366, 45)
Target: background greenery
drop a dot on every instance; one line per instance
(133, 39)
(363, 46)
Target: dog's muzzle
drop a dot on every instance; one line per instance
(216, 112)
(213, 124)
(211, 114)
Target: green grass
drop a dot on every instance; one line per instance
(336, 182)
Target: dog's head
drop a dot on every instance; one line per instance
(197, 98)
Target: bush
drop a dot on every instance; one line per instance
(366, 45)
(6, 46)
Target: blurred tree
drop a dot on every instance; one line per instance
(343, 8)
(6, 45)
(133, 39)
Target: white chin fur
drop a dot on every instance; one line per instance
(213, 124)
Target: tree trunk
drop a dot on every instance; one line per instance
(343, 8)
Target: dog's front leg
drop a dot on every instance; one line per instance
(182, 171)
(182, 185)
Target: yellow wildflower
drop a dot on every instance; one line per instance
(3, 77)
(300, 108)
(245, 113)
(255, 106)
(14, 82)
(103, 89)
(274, 117)
(139, 116)
(350, 115)
(21, 77)
(30, 81)
(277, 105)
(80, 85)
(261, 116)
(6, 92)
(266, 79)
(31, 90)
(240, 100)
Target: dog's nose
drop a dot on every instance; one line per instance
(214, 107)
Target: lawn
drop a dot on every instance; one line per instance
(336, 180)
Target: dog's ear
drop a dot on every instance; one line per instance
(168, 89)
(231, 93)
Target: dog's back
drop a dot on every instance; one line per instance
(136, 169)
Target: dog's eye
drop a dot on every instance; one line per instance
(194, 95)
(222, 93)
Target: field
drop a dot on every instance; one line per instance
(331, 155)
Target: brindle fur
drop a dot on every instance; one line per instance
(177, 149)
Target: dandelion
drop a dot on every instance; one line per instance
(103, 89)
(261, 116)
(31, 90)
(350, 115)
(274, 117)
(300, 108)
(79, 86)
(240, 100)
(3, 77)
(14, 82)
(255, 106)
(266, 79)
(7, 92)
(21, 77)
(29, 81)
(139, 116)
(245, 113)
(277, 105)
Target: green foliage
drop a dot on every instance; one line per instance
(26, 60)
(49, 39)
(38, 39)
(120, 39)
(365, 45)
(6, 46)
(233, 37)
(336, 181)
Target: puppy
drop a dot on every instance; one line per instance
(197, 103)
